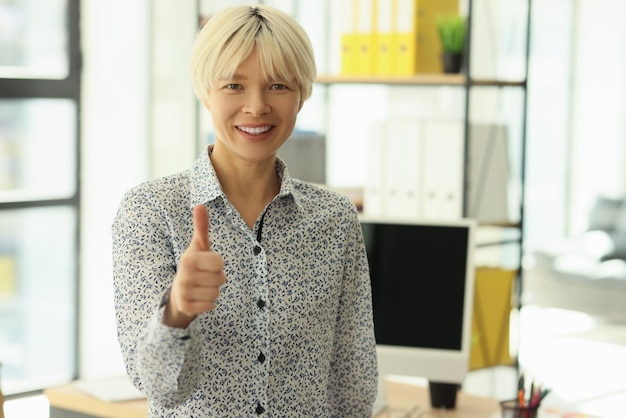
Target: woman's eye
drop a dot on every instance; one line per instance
(279, 86)
(233, 86)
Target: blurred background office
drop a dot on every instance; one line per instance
(95, 96)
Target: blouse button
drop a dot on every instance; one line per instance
(260, 303)
(257, 250)
(259, 410)
(261, 357)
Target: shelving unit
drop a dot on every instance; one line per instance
(498, 234)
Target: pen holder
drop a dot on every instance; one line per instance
(512, 409)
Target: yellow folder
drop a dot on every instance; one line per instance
(349, 42)
(493, 295)
(418, 47)
(386, 11)
(366, 35)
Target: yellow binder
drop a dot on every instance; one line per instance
(366, 35)
(386, 11)
(493, 289)
(349, 42)
(418, 47)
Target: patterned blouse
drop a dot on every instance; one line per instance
(292, 332)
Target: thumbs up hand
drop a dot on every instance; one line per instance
(196, 286)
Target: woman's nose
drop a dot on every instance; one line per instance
(256, 104)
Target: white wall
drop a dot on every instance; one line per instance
(172, 101)
(114, 116)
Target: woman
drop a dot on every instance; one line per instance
(240, 291)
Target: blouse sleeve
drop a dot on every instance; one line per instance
(354, 358)
(158, 359)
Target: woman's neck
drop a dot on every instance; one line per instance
(248, 186)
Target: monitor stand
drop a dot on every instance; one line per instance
(443, 395)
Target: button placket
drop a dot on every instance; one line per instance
(260, 294)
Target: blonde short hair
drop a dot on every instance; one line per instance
(229, 37)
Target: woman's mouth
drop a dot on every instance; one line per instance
(255, 130)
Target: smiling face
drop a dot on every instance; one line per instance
(253, 115)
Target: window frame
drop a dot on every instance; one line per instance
(66, 88)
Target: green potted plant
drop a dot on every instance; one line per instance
(452, 31)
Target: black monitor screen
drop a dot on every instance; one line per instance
(418, 274)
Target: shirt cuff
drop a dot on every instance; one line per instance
(179, 333)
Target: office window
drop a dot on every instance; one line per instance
(550, 99)
(37, 149)
(39, 196)
(37, 297)
(33, 39)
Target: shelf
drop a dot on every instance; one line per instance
(498, 243)
(419, 80)
(493, 235)
(501, 224)
(498, 83)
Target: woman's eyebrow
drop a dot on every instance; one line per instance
(234, 77)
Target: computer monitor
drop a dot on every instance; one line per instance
(422, 276)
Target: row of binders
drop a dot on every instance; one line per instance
(392, 37)
(416, 169)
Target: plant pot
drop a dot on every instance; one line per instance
(452, 62)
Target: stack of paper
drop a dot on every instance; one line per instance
(113, 389)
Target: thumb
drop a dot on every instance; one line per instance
(200, 238)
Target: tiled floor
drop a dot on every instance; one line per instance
(582, 359)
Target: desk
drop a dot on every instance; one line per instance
(70, 402)
(405, 397)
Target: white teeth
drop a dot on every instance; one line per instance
(255, 131)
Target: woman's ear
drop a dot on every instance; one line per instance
(301, 102)
(206, 103)
(206, 99)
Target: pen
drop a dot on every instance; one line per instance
(535, 399)
(520, 390)
(543, 394)
(520, 398)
